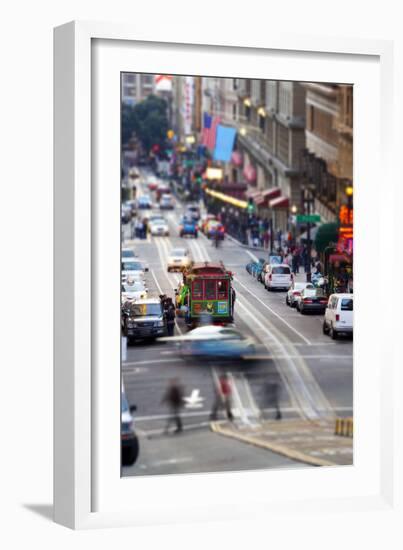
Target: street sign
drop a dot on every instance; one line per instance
(308, 218)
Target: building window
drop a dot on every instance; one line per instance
(234, 83)
(282, 143)
(234, 111)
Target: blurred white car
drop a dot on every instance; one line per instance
(278, 276)
(158, 227)
(216, 341)
(294, 291)
(339, 315)
(167, 202)
(128, 254)
(131, 269)
(133, 289)
(179, 259)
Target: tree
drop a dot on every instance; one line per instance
(148, 120)
(326, 234)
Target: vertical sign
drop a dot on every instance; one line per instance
(188, 99)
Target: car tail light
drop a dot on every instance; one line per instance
(337, 317)
(307, 301)
(296, 293)
(270, 277)
(323, 301)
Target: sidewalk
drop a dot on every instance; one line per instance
(297, 439)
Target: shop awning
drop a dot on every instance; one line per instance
(272, 193)
(280, 202)
(253, 193)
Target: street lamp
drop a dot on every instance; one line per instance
(294, 209)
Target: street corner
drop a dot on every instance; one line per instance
(313, 443)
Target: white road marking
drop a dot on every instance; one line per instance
(194, 401)
(273, 312)
(298, 378)
(151, 362)
(254, 258)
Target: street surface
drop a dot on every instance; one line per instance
(309, 375)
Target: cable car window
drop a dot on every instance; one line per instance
(210, 288)
(222, 289)
(197, 290)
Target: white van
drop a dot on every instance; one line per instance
(339, 315)
(278, 276)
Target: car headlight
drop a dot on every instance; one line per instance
(160, 323)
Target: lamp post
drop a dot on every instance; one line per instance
(307, 200)
(294, 210)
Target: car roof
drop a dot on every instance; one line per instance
(341, 295)
(179, 248)
(148, 301)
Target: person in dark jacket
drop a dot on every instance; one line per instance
(173, 397)
(169, 309)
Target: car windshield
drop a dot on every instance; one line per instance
(346, 304)
(314, 292)
(300, 286)
(128, 254)
(178, 252)
(141, 310)
(136, 286)
(124, 403)
(281, 270)
(132, 266)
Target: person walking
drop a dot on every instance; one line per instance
(173, 398)
(223, 398)
(169, 309)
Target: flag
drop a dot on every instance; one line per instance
(210, 124)
(224, 143)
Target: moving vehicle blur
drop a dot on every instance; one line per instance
(339, 315)
(216, 341)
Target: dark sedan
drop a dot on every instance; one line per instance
(312, 299)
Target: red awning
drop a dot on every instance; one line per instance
(280, 202)
(271, 193)
(252, 193)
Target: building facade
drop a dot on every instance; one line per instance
(328, 158)
(136, 87)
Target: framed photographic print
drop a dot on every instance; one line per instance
(216, 217)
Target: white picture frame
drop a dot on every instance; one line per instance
(87, 491)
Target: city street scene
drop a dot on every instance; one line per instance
(236, 274)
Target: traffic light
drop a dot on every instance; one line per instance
(251, 206)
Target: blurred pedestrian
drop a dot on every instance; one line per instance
(223, 398)
(173, 397)
(273, 391)
(169, 309)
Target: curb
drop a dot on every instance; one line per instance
(279, 449)
(249, 247)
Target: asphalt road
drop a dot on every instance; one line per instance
(304, 371)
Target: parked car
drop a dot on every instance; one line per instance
(311, 299)
(131, 269)
(295, 291)
(278, 276)
(126, 214)
(128, 253)
(133, 289)
(339, 315)
(129, 439)
(144, 202)
(143, 319)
